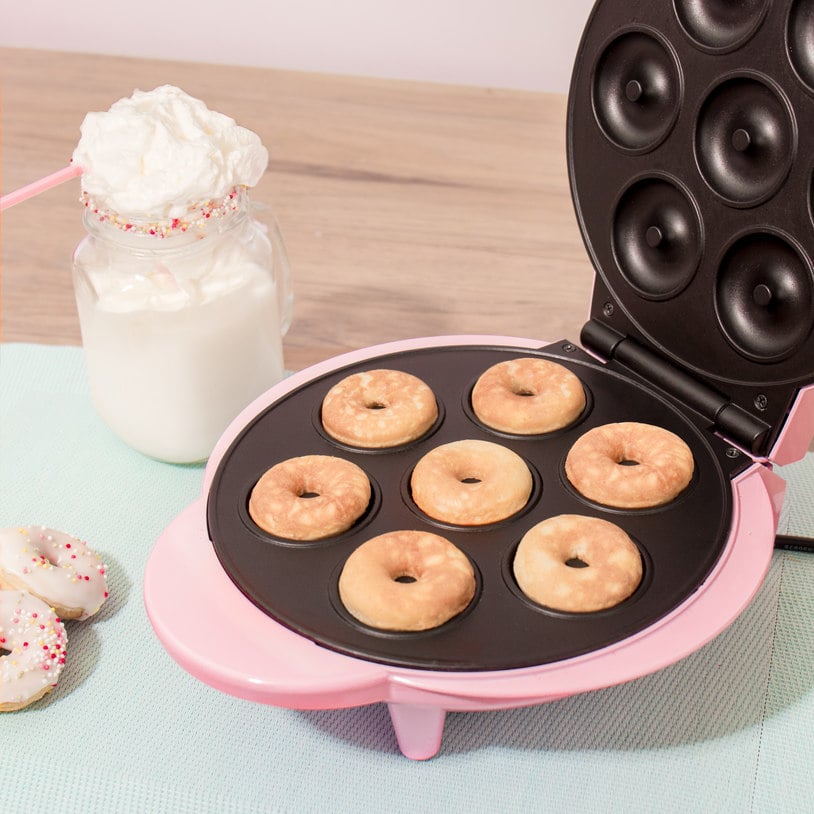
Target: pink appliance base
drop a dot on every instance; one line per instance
(192, 603)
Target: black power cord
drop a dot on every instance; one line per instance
(791, 542)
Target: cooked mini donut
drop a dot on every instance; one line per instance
(577, 564)
(471, 483)
(56, 567)
(406, 580)
(629, 465)
(310, 497)
(34, 640)
(528, 396)
(376, 409)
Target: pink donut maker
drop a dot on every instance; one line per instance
(689, 142)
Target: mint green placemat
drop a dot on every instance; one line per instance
(731, 728)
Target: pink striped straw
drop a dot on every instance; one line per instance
(34, 188)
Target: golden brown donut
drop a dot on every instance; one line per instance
(406, 580)
(528, 396)
(375, 409)
(310, 497)
(577, 564)
(629, 465)
(470, 483)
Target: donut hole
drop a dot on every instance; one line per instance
(308, 495)
(627, 462)
(44, 557)
(576, 562)
(469, 473)
(405, 579)
(375, 405)
(523, 392)
(4, 652)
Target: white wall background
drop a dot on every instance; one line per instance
(526, 44)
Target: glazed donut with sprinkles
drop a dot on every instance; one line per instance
(45, 576)
(32, 649)
(59, 569)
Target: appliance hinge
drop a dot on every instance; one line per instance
(731, 421)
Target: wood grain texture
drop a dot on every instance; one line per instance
(408, 209)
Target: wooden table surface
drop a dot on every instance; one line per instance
(408, 209)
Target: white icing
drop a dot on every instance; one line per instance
(54, 566)
(158, 154)
(35, 641)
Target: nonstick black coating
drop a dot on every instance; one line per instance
(295, 583)
(691, 159)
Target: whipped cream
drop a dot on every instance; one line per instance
(160, 154)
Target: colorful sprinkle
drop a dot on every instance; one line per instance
(196, 218)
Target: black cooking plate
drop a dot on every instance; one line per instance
(691, 159)
(296, 583)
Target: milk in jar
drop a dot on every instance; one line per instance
(182, 303)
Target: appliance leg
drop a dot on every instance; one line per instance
(418, 729)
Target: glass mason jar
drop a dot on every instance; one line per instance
(182, 323)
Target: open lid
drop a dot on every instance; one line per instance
(690, 143)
